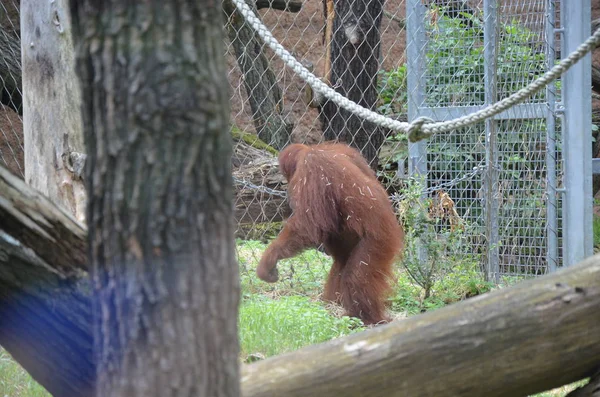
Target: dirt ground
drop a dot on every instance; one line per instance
(302, 34)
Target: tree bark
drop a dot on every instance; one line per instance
(355, 50)
(539, 334)
(52, 124)
(273, 124)
(158, 175)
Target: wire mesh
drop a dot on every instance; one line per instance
(11, 126)
(504, 182)
(450, 40)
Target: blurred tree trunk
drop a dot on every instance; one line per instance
(52, 105)
(160, 214)
(45, 322)
(354, 64)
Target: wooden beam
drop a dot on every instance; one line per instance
(517, 341)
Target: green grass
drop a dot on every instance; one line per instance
(596, 225)
(273, 326)
(287, 315)
(15, 382)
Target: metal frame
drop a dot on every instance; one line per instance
(551, 190)
(490, 41)
(577, 235)
(577, 131)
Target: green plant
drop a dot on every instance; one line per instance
(15, 381)
(304, 274)
(596, 226)
(274, 326)
(392, 86)
(438, 255)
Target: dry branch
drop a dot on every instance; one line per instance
(53, 234)
(255, 167)
(516, 341)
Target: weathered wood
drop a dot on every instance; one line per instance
(256, 172)
(283, 5)
(528, 338)
(52, 123)
(53, 234)
(45, 311)
(539, 334)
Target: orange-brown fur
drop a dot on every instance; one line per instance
(337, 201)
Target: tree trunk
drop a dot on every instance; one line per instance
(355, 50)
(517, 341)
(539, 334)
(273, 124)
(160, 212)
(52, 105)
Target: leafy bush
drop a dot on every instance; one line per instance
(438, 253)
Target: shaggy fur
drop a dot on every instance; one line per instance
(337, 201)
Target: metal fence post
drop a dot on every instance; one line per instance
(551, 193)
(576, 98)
(490, 38)
(415, 48)
(416, 45)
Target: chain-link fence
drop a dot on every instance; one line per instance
(11, 128)
(405, 59)
(441, 59)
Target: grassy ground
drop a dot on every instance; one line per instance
(281, 317)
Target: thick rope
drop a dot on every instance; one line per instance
(422, 127)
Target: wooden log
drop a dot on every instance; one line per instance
(45, 308)
(538, 334)
(53, 234)
(254, 205)
(517, 341)
(283, 5)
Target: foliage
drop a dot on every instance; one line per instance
(438, 255)
(596, 226)
(456, 60)
(393, 96)
(454, 76)
(455, 64)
